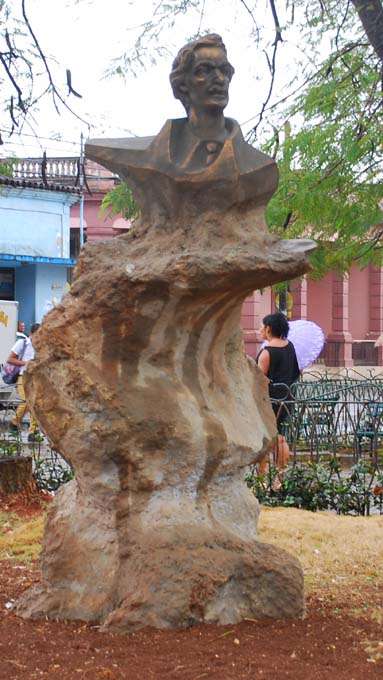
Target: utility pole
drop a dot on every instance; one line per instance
(82, 190)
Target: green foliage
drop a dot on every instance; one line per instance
(330, 169)
(120, 201)
(50, 470)
(50, 473)
(316, 486)
(6, 167)
(9, 448)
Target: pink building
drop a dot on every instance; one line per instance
(97, 223)
(349, 309)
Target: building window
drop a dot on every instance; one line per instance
(74, 243)
(7, 284)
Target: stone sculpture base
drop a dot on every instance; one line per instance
(142, 383)
(172, 578)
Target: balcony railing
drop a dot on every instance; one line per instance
(56, 168)
(65, 170)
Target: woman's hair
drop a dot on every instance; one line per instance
(184, 61)
(278, 324)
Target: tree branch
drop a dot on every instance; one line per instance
(201, 16)
(370, 13)
(342, 24)
(42, 55)
(15, 85)
(54, 90)
(248, 10)
(372, 244)
(272, 64)
(278, 32)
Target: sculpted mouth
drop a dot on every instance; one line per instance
(218, 91)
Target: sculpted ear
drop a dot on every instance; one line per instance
(183, 95)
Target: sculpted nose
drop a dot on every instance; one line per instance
(218, 75)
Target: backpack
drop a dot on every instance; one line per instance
(10, 372)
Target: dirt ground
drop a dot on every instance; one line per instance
(340, 638)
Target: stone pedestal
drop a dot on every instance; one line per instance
(142, 383)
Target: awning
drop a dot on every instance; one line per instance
(38, 259)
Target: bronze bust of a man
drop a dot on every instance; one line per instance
(194, 163)
(200, 79)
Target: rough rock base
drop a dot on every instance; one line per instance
(142, 383)
(173, 579)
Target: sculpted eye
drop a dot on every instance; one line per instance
(227, 71)
(202, 70)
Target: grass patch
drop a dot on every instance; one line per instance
(20, 539)
(341, 556)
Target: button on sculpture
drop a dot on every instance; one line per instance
(141, 381)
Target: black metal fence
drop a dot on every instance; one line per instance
(324, 418)
(341, 417)
(334, 428)
(50, 469)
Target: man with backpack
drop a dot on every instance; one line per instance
(20, 333)
(22, 352)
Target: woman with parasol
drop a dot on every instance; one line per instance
(282, 360)
(278, 361)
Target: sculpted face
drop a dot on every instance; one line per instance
(207, 82)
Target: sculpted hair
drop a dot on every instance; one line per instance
(278, 324)
(185, 60)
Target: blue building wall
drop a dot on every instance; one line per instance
(35, 222)
(35, 241)
(51, 284)
(25, 293)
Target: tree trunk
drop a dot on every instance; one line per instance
(371, 15)
(15, 474)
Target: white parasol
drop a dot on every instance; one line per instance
(308, 340)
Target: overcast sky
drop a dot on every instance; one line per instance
(87, 35)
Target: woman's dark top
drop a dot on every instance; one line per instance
(283, 369)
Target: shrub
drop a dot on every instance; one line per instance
(321, 486)
(50, 473)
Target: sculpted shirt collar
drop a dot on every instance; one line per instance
(179, 151)
(189, 152)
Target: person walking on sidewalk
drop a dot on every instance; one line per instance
(21, 353)
(20, 333)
